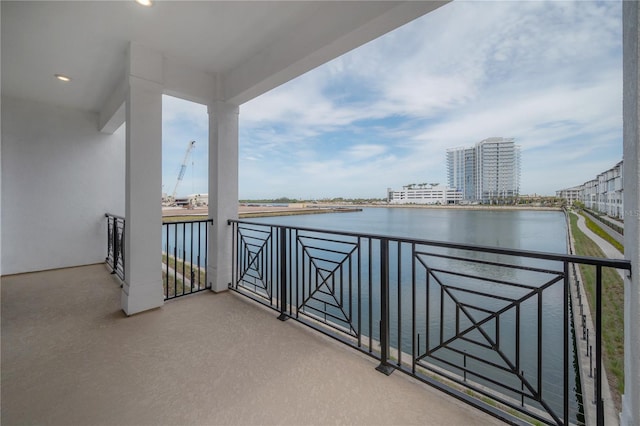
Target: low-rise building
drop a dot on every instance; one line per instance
(193, 200)
(570, 194)
(603, 194)
(433, 194)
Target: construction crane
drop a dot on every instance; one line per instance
(183, 168)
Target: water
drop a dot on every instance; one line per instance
(177, 241)
(527, 230)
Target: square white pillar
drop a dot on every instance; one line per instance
(142, 289)
(223, 191)
(631, 46)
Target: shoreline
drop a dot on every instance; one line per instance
(454, 207)
(271, 211)
(248, 212)
(298, 211)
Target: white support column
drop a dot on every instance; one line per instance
(631, 46)
(223, 190)
(143, 233)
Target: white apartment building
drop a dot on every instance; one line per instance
(605, 192)
(489, 172)
(424, 194)
(461, 171)
(570, 194)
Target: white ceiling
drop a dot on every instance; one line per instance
(88, 40)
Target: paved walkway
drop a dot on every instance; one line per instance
(607, 226)
(609, 251)
(587, 383)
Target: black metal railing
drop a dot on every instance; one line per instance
(184, 257)
(489, 326)
(115, 244)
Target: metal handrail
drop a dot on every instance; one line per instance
(368, 290)
(115, 244)
(184, 257)
(587, 260)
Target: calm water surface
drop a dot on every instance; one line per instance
(527, 230)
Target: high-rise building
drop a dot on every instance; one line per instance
(461, 171)
(489, 172)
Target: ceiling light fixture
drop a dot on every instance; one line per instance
(62, 77)
(144, 2)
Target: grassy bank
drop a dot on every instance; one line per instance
(596, 229)
(176, 285)
(612, 308)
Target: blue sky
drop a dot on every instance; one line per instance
(548, 74)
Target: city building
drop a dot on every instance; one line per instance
(461, 171)
(193, 200)
(488, 173)
(434, 194)
(570, 194)
(604, 193)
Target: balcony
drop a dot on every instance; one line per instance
(70, 356)
(486, 325)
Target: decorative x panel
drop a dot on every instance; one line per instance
(475, 322)
(326, 293)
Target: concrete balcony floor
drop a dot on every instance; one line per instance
(70, 356)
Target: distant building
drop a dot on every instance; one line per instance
(461, 171)
(193, 200)
(604, 193)
(489, 172)
(570, 194)
(424, 194)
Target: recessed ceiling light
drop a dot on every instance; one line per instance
(62, 77)
(144, 2)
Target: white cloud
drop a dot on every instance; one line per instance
(548, 74)
(363, 152)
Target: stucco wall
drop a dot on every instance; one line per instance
(631, 106)
(59, 176)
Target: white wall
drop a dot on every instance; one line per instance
(59, 177)
(630, 415)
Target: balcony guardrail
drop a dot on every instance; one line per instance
(184, 257)
(115, 244)
(489, 326)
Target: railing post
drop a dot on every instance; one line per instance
(599, 401)
(283, 275)
(109, 239)
(115, 245)
(384, 366)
